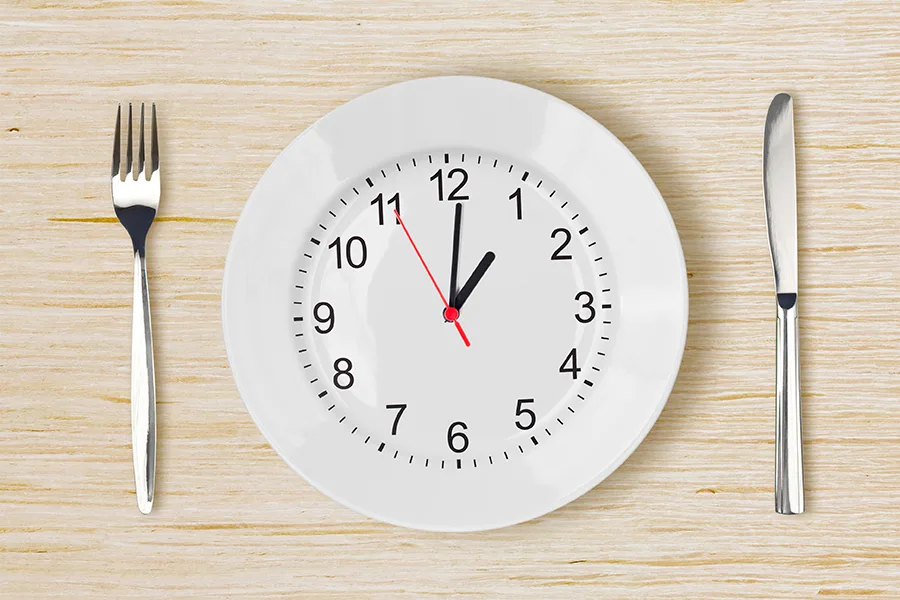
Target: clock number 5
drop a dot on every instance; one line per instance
(525, 411)
(588, 304)
(570, 365)
(457, 440)
(454, 195)
(399, 408)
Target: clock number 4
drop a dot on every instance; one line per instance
(570, 364)
(457, 440)
(399, 408)
(454, 195)
(355, 259)
(531, 419)
(379, 202)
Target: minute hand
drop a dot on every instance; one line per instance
(473, 280)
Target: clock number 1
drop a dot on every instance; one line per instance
(454, 195)
(570, 365)
(379, 202)
(517, 196)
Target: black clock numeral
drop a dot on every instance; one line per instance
(379, 202)
(353, 242)
(525, 411)
(568, 238)
(572, 358)
(328, 319)
(399, 408)
(517, 196)
(454, 195)
(339, 371)
(588, 304)
(457, 441)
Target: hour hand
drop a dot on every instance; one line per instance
(473, 280)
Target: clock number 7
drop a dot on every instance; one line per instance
(379, 202)
(399, 408)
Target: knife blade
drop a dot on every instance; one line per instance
(780, 192)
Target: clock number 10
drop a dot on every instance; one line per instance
(355, 258)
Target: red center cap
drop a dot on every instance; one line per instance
(451, 314)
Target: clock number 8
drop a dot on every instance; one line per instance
(348, 379)
(457, 441)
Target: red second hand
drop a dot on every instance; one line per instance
(459, 328)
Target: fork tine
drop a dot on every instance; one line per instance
(129, 155)
(154, 144)
(140, 168)
(117, 143)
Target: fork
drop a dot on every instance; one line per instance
(135, 199)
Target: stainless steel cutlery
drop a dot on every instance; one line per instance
(780, 191)
(135, 194)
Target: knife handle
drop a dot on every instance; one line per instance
(788, 436)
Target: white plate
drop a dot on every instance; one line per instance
(388, 411)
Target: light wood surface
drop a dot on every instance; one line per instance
(685, 85)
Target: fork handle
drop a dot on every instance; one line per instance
(143, 389)
(788, 436)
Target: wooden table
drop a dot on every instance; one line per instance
(685, 85)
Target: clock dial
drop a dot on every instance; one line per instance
(453, 309)
(455, 304)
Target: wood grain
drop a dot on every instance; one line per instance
(685, 84)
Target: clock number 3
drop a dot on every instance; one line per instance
(454, 195)
(588, 304)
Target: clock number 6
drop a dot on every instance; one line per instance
(588, 304)
(399, 408)
(458, 436)
(348, 379)
(525, 411)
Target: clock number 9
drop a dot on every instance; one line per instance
(568, 238)
(355, 263)
(525, 411)
(588, 304)
(573, 369)
(439, 177)
(457, 441)
(328, 318)
(347, 381)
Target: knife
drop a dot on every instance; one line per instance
(780, 191)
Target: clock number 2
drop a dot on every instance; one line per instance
(567, 238)
(454, 195)
(457, 440)
(399, 408)
(570, 364)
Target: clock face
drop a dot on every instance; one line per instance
(454, 304)
(491, 358)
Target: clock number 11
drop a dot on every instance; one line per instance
(379, 202)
